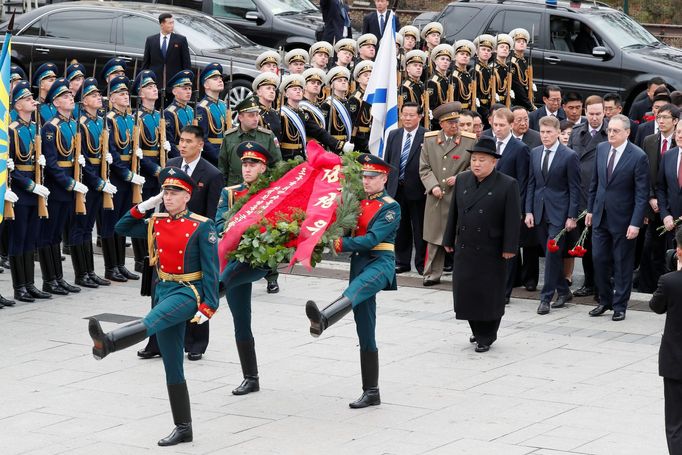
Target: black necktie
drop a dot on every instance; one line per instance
(609, 168)
(164, 46)
(382, 24)
(545, 164)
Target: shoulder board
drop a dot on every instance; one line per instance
(83, 120)
(262, 129)
(111, 115)
(233, 187)
(203, 103)
(434, 78)
(194, 216)
(432, 134)
(407, 83)
(171, 108)
(465, 134)
(514, 59)
(160, 215)
(55, 121)
(232, 130)
(358, 95)
(388, 199)
(14, 124)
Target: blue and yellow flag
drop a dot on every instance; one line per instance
(5, 63)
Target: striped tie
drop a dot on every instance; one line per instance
(404, 155)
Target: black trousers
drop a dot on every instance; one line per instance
(652, 263)
(672, 393)
(485, 331)
(410, 232)
(588, 265)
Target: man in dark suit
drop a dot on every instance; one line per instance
(403, 147)
(551, 96)
(166, 53)
(668, 299)
(644, 104)
(552, 204)
(652, 264)
(669, 187)
(520, 128)
(650, 127)
(336, 21)
(584, 140)
(616, 204)
(515, 156)
(375, 22)
(613, 105)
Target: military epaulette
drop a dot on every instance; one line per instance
(14, 124)
(203, 103)
(160, 215)
(464, 134)
(358, 95)
(200, 218)
(232, 130)
(435, 78)
(263, 129)
(407, 83)
(111, 115)
(55, 121)
(171, 108)
(82, 120)
(431, 134)
(388, 199)
(233, 187)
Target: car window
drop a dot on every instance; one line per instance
(235, 9)
(81, 25)
(456, 17)
(572, 35)
(35, 29)
(623, 30)
(136, 29)
(205, 33)
(506, 21)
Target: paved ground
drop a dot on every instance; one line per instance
(558, 384)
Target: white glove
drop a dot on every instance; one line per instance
(41, 161)
(167, 146)
(535, 87)
(109, 188)
(150, 203)
(348, 147)
(478, 102)
(430, 114)
(11, 196)
(511, 93)
(109, 158)
(40, 190)
(80, 188)
(138, 179)
(199, 318)
(81, 160)
(10, 164)
(139, 154)
(497, 97)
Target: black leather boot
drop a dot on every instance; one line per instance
(369, 366)
(29, 278)
(110, 253)
(16, 268)
(117, 339)
(50, 284)
(182, 415)
(139, 253)
(121, 259)
(59, 272)
(247, 357)
(90, 265)
(320, 320)
(78, 260)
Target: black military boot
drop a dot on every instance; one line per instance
(29, 278)
(59, 272)
(369, 366)
(117, 339)
(320, 320)
(139, 253)
(273, 286)
(121, 258)
(90, 265)
(16, 267)
(247, 357)
(182, 415)
(110, 253)
(48, 271)
(78, 260)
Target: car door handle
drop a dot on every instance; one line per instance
(552, 59)
(42, 50)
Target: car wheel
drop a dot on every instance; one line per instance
(240, 90)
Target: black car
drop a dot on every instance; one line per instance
(585, 47)
(94, 32)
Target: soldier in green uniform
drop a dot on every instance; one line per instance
(361, 117)
(461, 77)
(183, 247)
(248, 115)
(372, 269)
(522, 73)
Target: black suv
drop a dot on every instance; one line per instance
(94, 32)
(585, 47)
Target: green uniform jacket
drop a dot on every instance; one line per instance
(228, 161)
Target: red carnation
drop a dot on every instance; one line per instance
(552, 246)
(263, 229)
(455, 157)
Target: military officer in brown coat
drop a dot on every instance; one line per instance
(483, 230)
(444, 155)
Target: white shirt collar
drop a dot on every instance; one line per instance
(192, 165)
(554, 147)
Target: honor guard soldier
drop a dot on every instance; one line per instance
(268, 62)
(112, 68)
(43, 79)
(237, 277)
(265, 87)
(502, 86)
(483, 74)
(120, 124)
(367, 47)
(59, 147)
(412, 88)
(410, 35)
(179, 113)
(80, 236)
(211, 112)
(75, 75)
(361, 117)
(16, 75)
(522, 73)
(372, 269)
(297, 124)
(345, 50)
(336, 107)
(183, 247)
(431, 35)
(23, 231)
(320, 54)
(461, 77)
(296, 60)
(438, 85)
(248, 129)
(314, 80)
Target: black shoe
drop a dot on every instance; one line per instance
(66, 286)
(561, 300)
(127, 273)
(113, 274)
(181, 433)
(482, 348)
(4, 261)
(6, 302)
(584, 291)
(447, 269)
(54, 288)
(543, 308)
(248, 385)
(37, 293)
(182, 415)
(531, 287)
(194, 355)
(506, 300)
(431, 282)
(273, 287)
(22, 295)
(249, 364)
(599, 310)
(98, 279)
(369, 397)
(472, 339)
(402, 269)
(618, 316)
(86, 282)
(143, 354)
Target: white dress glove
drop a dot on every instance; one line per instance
(167, 146)
(80, 188)
(109, 188)
(348, 147)
(10, 164)
(40, 190)
(81, 160)
(138, 179)
(512, 94)
(109, 158)
(535, 87)
(41, 161)
(199, 318)
(150, 203)
(139, 154)
(11, 196)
